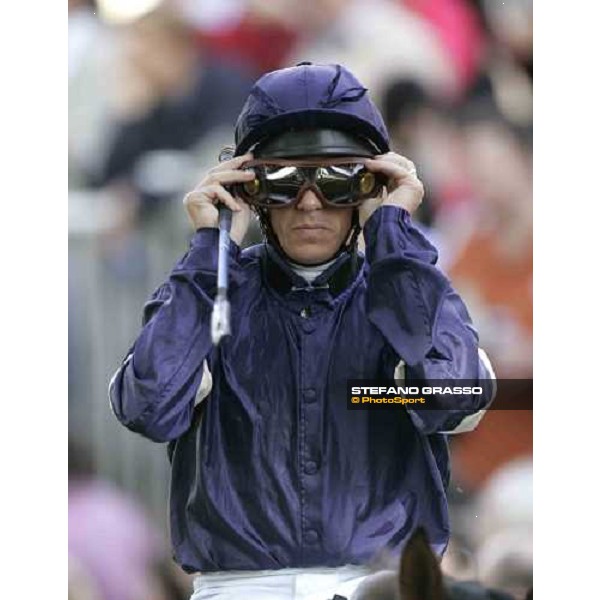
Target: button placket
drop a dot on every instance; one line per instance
(310, 450)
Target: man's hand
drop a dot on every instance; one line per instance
(404, 188)
(200, 203)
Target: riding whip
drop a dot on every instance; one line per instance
(220, 319)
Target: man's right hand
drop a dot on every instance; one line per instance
(200, 203)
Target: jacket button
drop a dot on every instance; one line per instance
(309, 327)
(311, 536)
(305, 312)
(310, 395)
(310, 468)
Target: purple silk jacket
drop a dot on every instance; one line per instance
(269, 467)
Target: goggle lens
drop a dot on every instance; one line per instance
(340, 185)
(281, 184)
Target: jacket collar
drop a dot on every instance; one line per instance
(336, 278)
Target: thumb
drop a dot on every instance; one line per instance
(367, 208)
(240, 223)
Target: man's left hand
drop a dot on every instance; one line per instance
(404, 188)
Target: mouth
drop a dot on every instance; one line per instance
(310, 227)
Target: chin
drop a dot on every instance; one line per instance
(309, 258)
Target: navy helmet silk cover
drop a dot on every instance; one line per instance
(309, 96)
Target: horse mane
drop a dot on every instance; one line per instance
(420, 575)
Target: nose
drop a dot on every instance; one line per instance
(309, 201)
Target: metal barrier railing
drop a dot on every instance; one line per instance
(110, 278)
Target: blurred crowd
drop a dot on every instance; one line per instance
(153, 96)
(115, 551)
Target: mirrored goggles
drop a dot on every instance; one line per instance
(339, 183)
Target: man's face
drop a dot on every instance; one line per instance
(309, 232)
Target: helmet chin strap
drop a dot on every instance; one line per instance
(349, 244)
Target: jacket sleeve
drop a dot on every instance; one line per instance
(425, 321)
(166, 372)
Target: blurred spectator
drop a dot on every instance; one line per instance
(423, 128)
(89, 56)
(378, 40)
(492, 530)
(503, 529)
(459, 559)
(112, 546)
(512, 26)
(169, 97)
(253, 34)
(507, 71)
(494, 268)
(405, 106)
(210, 16)
(81, 585)
(502, 436)
(459, 30)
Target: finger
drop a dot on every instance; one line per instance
(234, 163)
(211, 195)
(230, 177)
(391, 169)
(393, 157)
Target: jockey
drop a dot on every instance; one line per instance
(277, 485)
